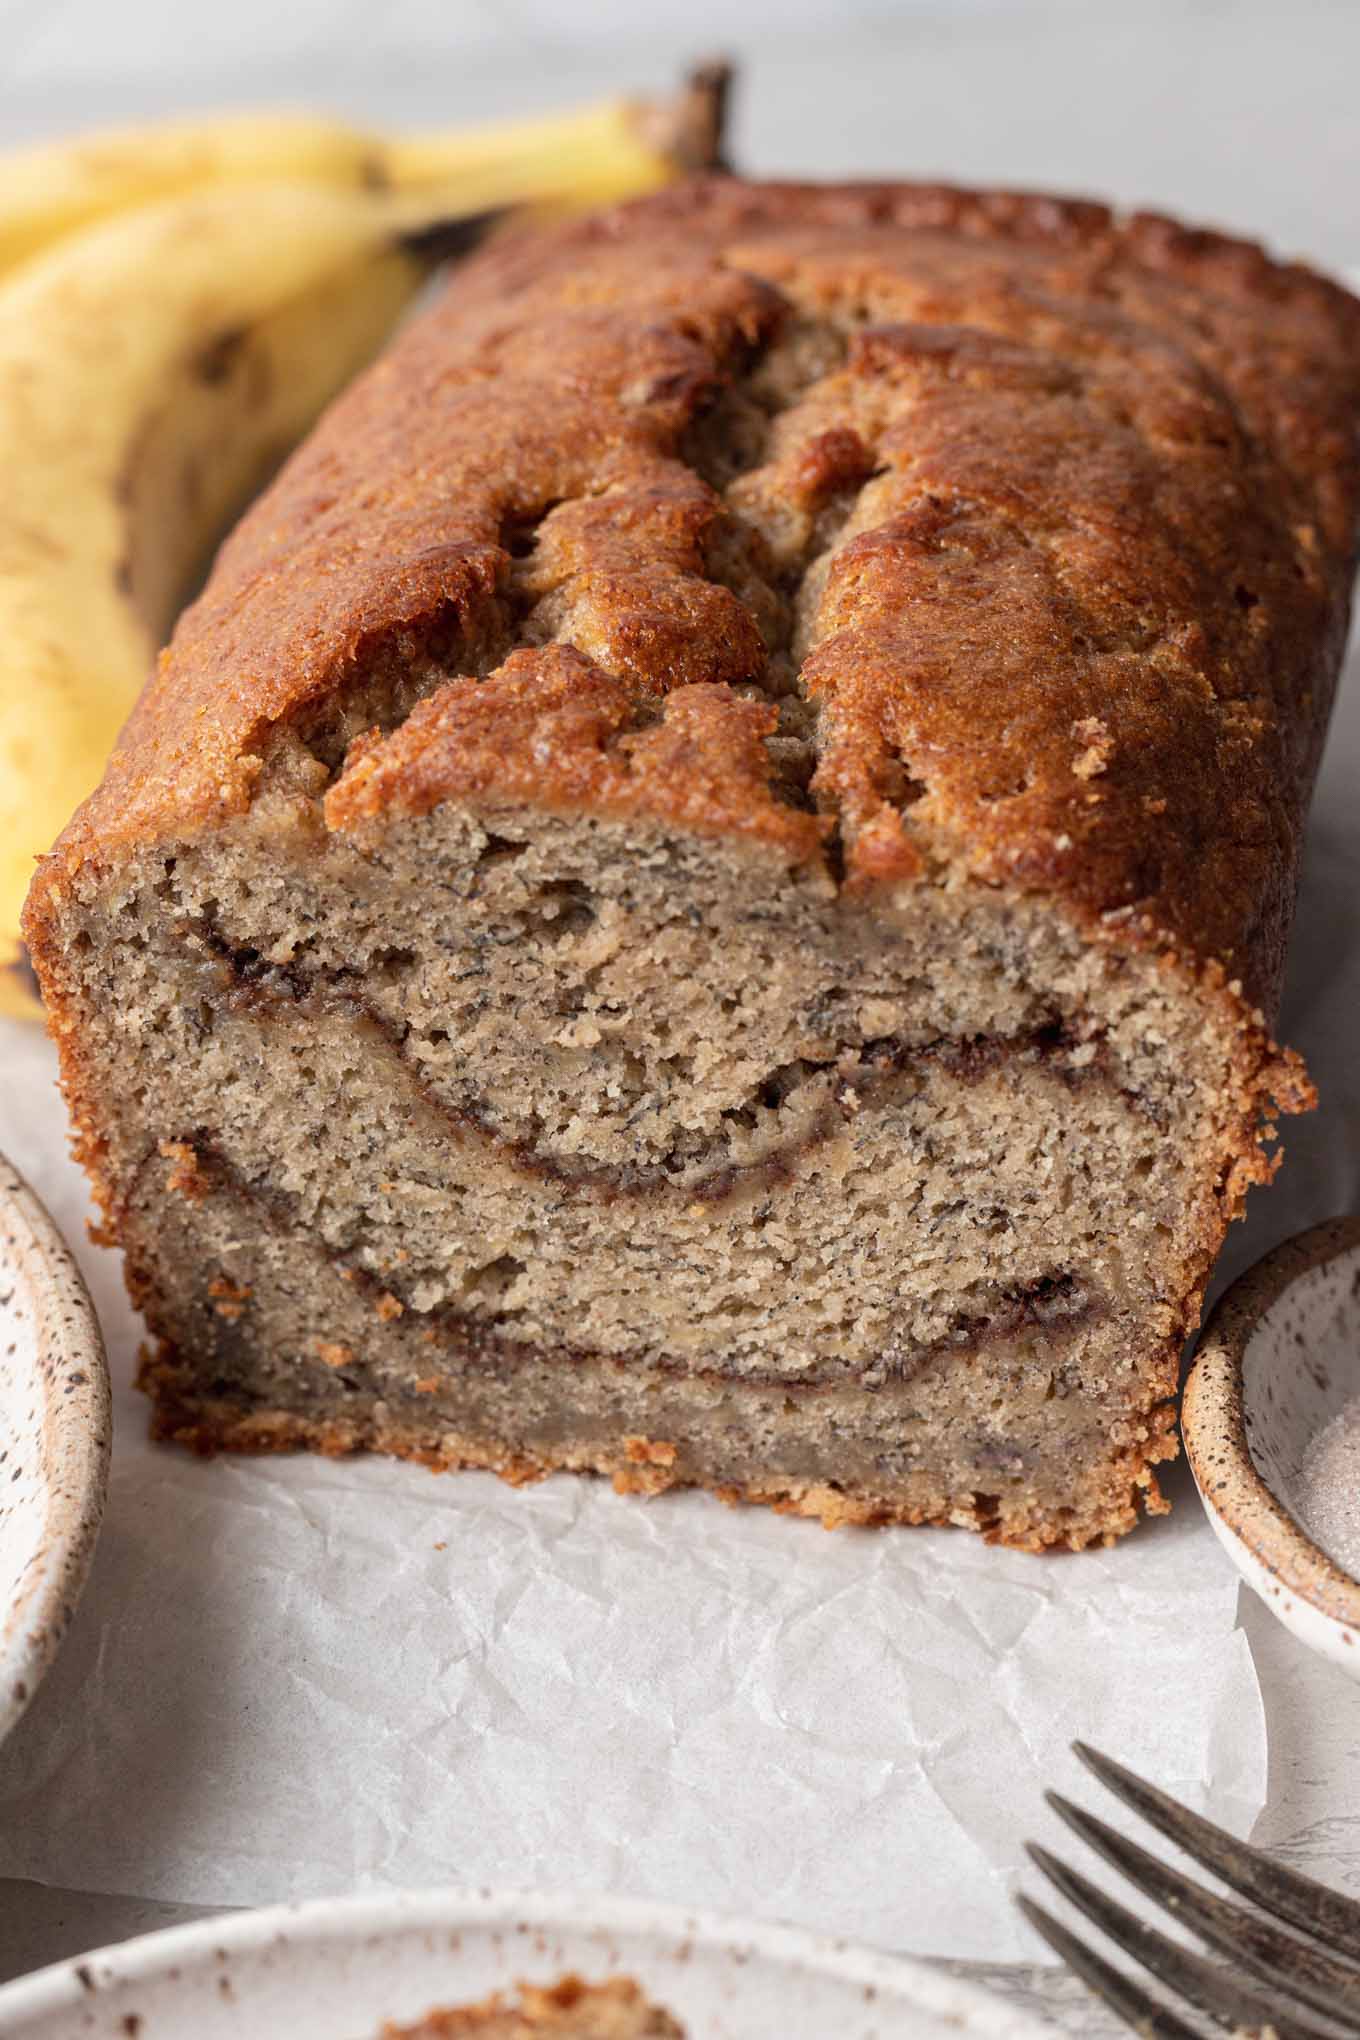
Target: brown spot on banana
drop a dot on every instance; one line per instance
(214, 361)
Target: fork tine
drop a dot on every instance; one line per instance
(1328, 1915)
(1124, 1997)
(1214, 1989)
(1299, 1967)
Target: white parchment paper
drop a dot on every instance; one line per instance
(290, 1678)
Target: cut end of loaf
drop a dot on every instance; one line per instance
(553, 1142)
(1110, 1506)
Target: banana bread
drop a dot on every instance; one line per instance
(567, 2010)
(701, 896)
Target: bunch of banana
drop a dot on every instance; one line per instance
(176, 308)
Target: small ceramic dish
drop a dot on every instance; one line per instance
(342, 1967)
(55, 1426)
(1279, 1358)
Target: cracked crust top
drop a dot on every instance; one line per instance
(893, 526)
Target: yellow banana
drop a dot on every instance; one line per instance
(597, 153)
(155, 365)
(150, 370)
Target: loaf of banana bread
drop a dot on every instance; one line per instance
(701, 897)
(566, 2010)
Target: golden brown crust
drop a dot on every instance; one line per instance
(553, 730)
(1115, 490)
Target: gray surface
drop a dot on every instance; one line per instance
(1229, 110)
(1238, 113)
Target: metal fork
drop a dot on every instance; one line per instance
(1271, 1979)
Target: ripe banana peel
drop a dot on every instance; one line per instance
(157, 360)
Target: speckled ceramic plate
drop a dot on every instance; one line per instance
(1279, 1357)
(54, 1440)
(335, 1969)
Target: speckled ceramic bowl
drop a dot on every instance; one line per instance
(54, 1440)
(335, 1969)
(1279, 1358)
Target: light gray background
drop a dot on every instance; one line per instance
(1230, 111)
(1238, 111)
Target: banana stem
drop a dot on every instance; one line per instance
(623, 145)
